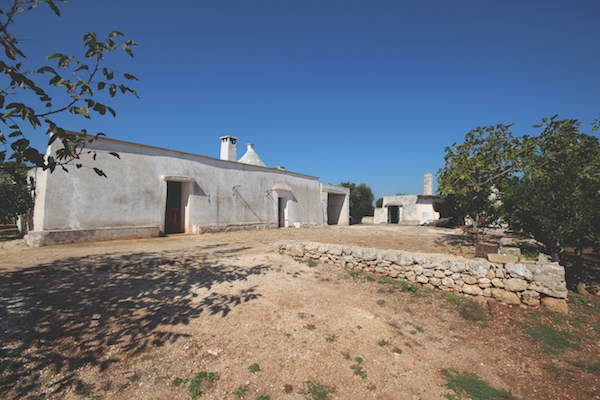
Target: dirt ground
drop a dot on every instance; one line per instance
(127, 319)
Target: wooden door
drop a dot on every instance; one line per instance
(173, 213)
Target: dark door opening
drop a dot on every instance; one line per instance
(173, 209)
(335, 203)
(281, 211)
(393, 214)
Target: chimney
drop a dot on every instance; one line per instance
(428, 184)
(228, 148)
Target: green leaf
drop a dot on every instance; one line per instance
(46, 69)
(54, 55)
(83, 66)
(127, 49)
(53, 7)
(100, 108)
(82, 110)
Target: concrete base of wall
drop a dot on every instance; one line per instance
(234, 227)
(48, 238)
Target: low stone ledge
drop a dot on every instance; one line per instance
(502, 258)
(48, 238)
(510, 283)
(213, 228)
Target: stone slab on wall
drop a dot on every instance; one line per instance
(510, 283)
(48, 238)
(250, 226)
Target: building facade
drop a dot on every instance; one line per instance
(151, 191)
(416, 209)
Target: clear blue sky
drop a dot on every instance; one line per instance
(360, 91)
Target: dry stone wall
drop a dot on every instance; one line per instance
(510, 283)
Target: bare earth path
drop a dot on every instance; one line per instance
(124, 319)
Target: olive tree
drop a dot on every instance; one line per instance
(15, 191)
(361, 200)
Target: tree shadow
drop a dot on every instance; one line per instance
(455, 240)
(73, 312)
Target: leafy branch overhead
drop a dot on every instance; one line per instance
(72, 84)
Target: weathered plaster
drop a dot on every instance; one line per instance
(215, 193)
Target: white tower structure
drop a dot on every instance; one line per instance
(228, 148)
(428, 184)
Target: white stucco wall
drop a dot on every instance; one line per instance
(380, 216)
(335, 201)
(215, 192)
(414, 209)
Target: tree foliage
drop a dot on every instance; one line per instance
(477, 170)
(546, 186)
(15, 191)
(71, 86)
(556, 197)
(361, 200)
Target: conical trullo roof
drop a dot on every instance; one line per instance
(251, 157)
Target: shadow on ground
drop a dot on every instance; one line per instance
(69, 313)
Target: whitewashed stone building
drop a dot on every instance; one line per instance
(151, 191)
(415, 209)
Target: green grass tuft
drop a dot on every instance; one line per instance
(316, 391)
(552, 339)
(331, 338)
(472, 311)
(409, 287)
(451, 297)
(199, 377)
(254, 368)
(471, 386)
(240, 391)
(178, 381)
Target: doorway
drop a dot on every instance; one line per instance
(281, 211)
(335, 204)
(173, 210)
(393, 214)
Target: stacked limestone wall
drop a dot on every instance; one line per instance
(511, 283)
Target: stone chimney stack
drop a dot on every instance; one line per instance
(228, 148)
(428, 184)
